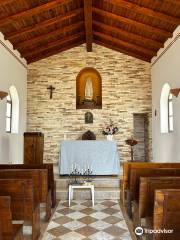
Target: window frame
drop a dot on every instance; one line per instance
(9, 117)
(170, 116)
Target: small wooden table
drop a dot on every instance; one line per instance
(72, 187)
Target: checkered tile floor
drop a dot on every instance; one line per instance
(81, 221)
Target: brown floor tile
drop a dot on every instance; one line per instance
(65, 211)
(87, 220)
(111, 219)
(88, 211)
(87, 231)
(114, 231)
(87, 204)
(108, 203)
(110, 211)
(66, 204)
(62, 220)
(58, 231)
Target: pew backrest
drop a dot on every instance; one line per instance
(148, 186)
(21, 192)
(127, 166)
(136, 173)
(48, 166)
(6, 229)
(39, 177)
(167, 213)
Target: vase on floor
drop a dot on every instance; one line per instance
(110, 137)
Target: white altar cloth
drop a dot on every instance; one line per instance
(101, 156)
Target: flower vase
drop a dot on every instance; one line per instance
(110, 137)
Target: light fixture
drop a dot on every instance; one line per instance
(3, 95)
(175, 91)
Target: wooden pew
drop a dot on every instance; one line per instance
(127, 166)
(148, 186)
(136, 173)
(48, 166)
(23, 203)
(40, 181)
(167, 213)
(8, 231)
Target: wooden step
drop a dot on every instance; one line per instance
(100, 193)
(100, 182)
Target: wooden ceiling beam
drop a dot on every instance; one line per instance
(54, 51)
(27, 43)
(28, 54)
(176, 2)
(122, 50)
(125, 44)
(134, 23)
(88, 24)
(4, 2)
(145, 11)
(32, 11)
(43, 24)
(129, 35)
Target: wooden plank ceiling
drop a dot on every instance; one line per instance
(41, 28)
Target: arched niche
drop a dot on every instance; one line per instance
(15, 109)
(88, 89)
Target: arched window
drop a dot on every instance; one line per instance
(166, 109)
(12, 111)
(8, 114)
(170, 113)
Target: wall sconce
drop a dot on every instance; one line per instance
(3, 95)
(175, 91)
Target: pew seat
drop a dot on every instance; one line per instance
(8, 231)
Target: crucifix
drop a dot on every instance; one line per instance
(51, 89)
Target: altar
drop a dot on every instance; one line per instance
(100, 156)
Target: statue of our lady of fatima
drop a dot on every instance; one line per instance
(89, 89)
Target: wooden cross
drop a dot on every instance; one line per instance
(51, 89)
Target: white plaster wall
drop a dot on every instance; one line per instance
(12, 72)
(166, 146)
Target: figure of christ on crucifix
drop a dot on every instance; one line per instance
(51, 89)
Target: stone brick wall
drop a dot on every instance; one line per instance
(126, 89)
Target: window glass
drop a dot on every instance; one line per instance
(8, 110)
(170, 113)
(8, 114)
(8, 125)
(166, 109)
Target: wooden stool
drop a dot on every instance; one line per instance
(72, 187)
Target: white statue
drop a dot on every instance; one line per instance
(89, 89)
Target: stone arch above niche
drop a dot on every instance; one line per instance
(88, 89)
